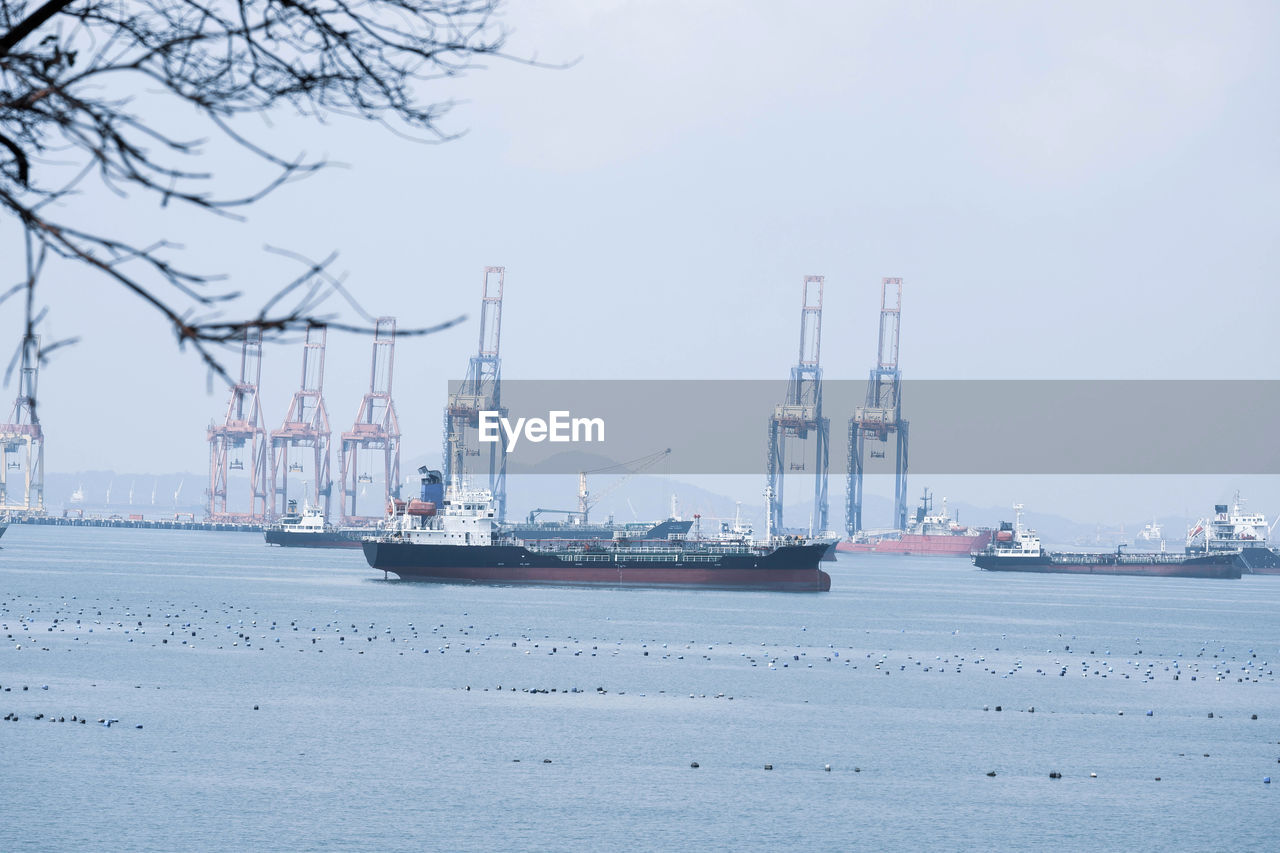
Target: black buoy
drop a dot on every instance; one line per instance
(991, 773)
(693, 764)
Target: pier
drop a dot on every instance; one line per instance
(141, 523)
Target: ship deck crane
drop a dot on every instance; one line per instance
(881, 415)
(480, 391)
(633, 467)
(801, 417)
(568, 513)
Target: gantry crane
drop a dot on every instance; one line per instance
(480, 391)
(243, 426)
(22, 440)
(306, 425)
(881, 416)
(376, 428)
(800, 416)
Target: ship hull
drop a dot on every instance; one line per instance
(789, 569)
(1107, 564)
(327, 539)
(921, 545)
(1259, 561)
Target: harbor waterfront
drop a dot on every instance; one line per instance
(291, 699)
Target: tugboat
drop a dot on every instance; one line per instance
(308, 529)
(930, 535)
(1234, 531)
(1018, 549)
(450, 535)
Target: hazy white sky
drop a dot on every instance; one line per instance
(1069, 190)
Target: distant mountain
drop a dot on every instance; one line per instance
(109, 492)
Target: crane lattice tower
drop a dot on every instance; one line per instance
(243, 430)
(22, 441)
(799, 420)
(376, 429)
(306, 427)
(881, 416)
(481, 391)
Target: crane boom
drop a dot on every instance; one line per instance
(635, 466)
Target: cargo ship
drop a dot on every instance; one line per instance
(1235, 531)
(1017, 549)
(450, 535)
(308, 529)
(1150, 537)
(930, 535)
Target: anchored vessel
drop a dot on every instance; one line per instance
(930, 535)
(452, 536)
(308, 529)
(1017, 549)
(1234, 531)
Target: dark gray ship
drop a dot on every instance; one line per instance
(1017, 549)
(453, 537)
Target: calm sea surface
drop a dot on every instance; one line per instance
(290, 699)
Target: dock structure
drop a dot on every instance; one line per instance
(376, 429)
(178, 523)
(22, 441)
(481, 391)
(881, 416)
(799, 421)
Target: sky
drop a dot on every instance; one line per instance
(1070, 191)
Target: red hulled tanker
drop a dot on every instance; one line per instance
(930, 535)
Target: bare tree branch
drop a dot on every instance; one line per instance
(79, 83)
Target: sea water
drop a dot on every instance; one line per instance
(266, 698)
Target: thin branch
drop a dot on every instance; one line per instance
(33, 22)
(71, 95)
